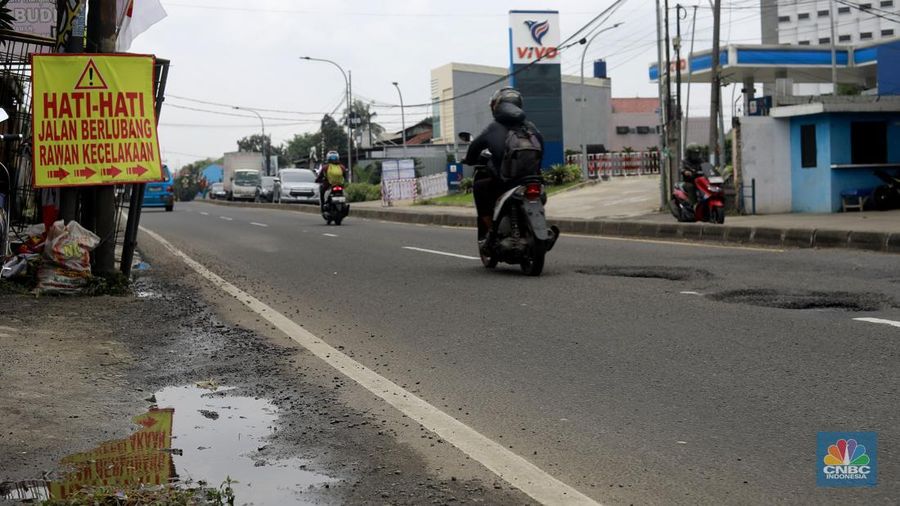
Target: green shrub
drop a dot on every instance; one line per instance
(465, 185)
(360, 192)
(562, 174)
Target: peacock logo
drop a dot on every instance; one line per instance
(539, 29)
(847, 459)
(846, 452)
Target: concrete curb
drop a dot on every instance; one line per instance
(702, 232)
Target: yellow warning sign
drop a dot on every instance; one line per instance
(94, 120)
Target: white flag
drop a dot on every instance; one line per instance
(136, 16)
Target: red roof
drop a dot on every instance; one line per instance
(635, 105)
(422, 138)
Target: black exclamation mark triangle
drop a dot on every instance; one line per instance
(91, 79)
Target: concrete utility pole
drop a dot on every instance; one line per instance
(686, 114)
(716, 90)
(664, 179)
(101, 38)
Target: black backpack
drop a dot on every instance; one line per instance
(523, 154)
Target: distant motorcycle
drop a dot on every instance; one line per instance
(336, 207)
(520, 232)
(709, 204)
(887, 196)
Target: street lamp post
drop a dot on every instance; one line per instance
(266, 142)
(402, 116)
(584, 166)
(349, 109)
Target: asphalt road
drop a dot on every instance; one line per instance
(635, 371)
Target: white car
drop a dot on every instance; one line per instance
(217, 192)
(296, 185)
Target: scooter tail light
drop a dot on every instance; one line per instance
(533, 191)
(338, 188)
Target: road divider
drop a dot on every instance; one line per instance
(696, 232)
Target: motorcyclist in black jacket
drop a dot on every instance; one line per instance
(691, 167)
(506, 106)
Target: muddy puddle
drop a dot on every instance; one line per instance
(192, 435)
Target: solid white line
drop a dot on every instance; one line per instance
(226, 218)
(330, 235)
(258, 224)
(690, 293)
(509, 466)
(892, 323)
(423, 250)
(204, 213)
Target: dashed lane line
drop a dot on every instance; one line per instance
(444, 253)
(226, 218)
(258, 224)
(882, 321)
(511, 467)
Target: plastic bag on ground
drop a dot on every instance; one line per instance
(67, 259)
(54, 279)
(70, 246)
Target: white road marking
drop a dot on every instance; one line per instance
(330, 235)
(690, 293)
(509, 466)
(892, 323)
(258, 224)
(226, 218)
(423, 250)
(204, 213)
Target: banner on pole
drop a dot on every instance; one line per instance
(94, 120)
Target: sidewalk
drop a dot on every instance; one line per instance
(629, 208)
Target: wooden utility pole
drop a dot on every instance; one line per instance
(714, 99)
(101, 38)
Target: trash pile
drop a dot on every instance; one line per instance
(59, 258)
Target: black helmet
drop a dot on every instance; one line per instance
(693, 153)
(507, 94)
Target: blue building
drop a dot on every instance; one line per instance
(213, 173)
(803, 152)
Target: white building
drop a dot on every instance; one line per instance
(470, 113)
(808, 22)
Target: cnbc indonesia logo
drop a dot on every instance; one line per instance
(538, 30)
(846, 461)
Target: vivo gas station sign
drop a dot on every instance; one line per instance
(534, 35)
(534, 62)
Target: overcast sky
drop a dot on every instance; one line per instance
(242, 53)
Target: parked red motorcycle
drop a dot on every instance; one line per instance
(709, 203)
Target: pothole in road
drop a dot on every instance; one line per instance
(651, 272)
(847, 301)
(191, 436)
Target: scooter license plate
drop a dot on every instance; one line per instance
(338, 200)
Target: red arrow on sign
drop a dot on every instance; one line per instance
(59, 173)
(138, 171)
(112, 171)
(85, 172)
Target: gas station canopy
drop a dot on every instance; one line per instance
(802, 64)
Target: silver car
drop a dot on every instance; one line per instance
(296, 185)
(217, 191)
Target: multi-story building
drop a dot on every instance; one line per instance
(470, 112)
(808, 22)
